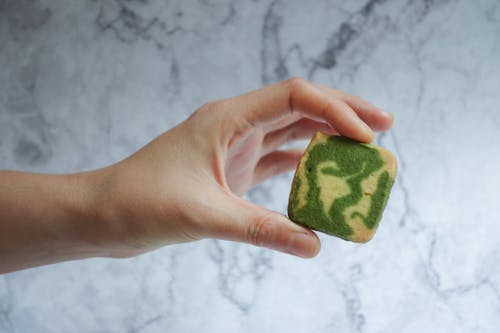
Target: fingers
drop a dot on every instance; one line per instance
(373, 116)
(301, 129)
(245, 222)
(376, 118)
(276, 163)
(298, 95)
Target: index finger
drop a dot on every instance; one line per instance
(298, 95)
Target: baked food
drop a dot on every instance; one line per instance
(341, 187)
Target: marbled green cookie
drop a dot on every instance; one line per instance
(341, 187)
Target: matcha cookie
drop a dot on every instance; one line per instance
(341, 187)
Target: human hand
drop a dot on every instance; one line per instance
(185, 184)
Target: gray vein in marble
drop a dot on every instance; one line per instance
(409, 211)
(32, 143)
(352, 300)
(145, 324)
(343, 37)
(171, 283)
(28, 17)
(231, 15)
(231, 272)
(175, 84)
(434, 279)
(490, 12)
(155, 315)
(6, 304)
(351, 44)
(273, 66)
(415, 51)
(128, 25)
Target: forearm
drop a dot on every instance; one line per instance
(48, 218)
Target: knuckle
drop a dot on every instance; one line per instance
(295, 82)
(294, 85)
(208, 110)
(351, 98)
(259, 232)
(328, 109)
(210, 106)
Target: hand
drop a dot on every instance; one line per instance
(185, 185)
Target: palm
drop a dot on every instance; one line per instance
(243, 157)
(253, 155)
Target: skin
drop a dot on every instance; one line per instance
(183, 186)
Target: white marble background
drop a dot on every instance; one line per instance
(85, 83)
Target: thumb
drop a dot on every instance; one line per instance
(245, 222)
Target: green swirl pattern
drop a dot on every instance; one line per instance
(354, 162)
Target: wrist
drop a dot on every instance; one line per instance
(109, 222)
(81, 229)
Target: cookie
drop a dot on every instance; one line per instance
(341, 187)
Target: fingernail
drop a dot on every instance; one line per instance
(303, 245)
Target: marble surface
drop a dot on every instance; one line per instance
(85, 83)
